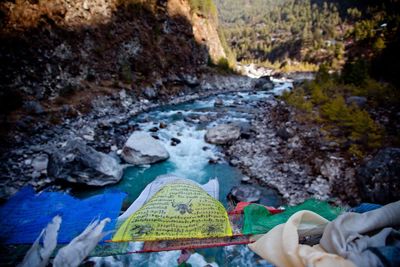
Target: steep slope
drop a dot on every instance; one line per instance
(64, 52)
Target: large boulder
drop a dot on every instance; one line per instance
(222, 134)
(142, 149)
(264, 83)
(379, 178)
(78, 163)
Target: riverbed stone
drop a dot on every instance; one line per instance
(142, 149)
(264, 83)
(77, 162)
(175, 141)
(153, 129)
(222, 134)
(149, 92)
(245, 193)
(40, 162)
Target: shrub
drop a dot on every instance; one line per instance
(224, 66)
(322, 74)
(318, 96)
(364, 130)
(297, 99)
(379, 44)
(345, 124)
(336, 110)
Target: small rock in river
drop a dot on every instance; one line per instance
(176, 140)
(245, 193)
(245, 179)
(218, 102)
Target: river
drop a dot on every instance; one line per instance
(197, 160)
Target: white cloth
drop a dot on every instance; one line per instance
(347, 235)
(80, 247)
(281, 247)
(39, 254)
(212, 188)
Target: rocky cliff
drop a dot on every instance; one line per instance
(57, 55)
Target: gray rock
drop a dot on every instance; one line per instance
(203, 118)
(35, 174)
(359, 101)
(246, 130)
(190, 80)
(284, 133)
(153, 129)
(40, 162)
(175, 140)
(218, 102)
(264, 83)
(245, 193)
(222, 134)
(213, 160)
(332, 168)
(149, 92)
(126, 101)
(379, 178)
(78, 163)
(245, 179)
(87, 133)
(141, 149)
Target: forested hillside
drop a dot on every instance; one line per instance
(292, 31)
(358, 41)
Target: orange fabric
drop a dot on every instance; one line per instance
(241, 205)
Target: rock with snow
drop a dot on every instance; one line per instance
(222, 134)
(142, 149)
(76, 162)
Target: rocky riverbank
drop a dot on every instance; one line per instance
(275, 149)
(297, 159)
(105, 128)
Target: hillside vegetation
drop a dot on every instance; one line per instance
(355, 45)
(277, 33)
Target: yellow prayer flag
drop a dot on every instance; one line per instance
(179, 210)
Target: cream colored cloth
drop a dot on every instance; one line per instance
(281, 247)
